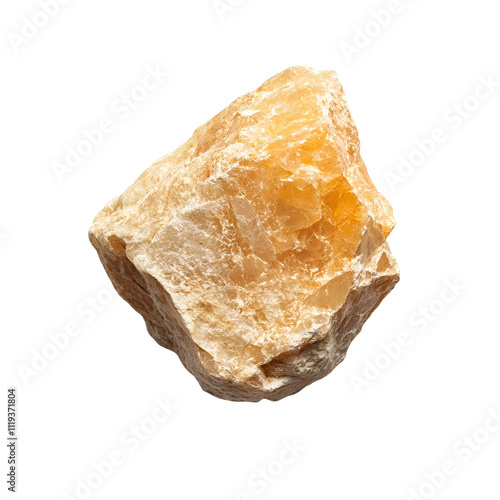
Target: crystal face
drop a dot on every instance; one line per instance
(256, 250)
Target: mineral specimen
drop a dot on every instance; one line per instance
(256, 250)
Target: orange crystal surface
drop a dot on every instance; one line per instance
(257, 249)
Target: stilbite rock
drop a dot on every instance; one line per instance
(256, 250)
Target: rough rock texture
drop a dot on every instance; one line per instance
(256, 250)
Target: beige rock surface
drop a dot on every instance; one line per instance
(256, 250)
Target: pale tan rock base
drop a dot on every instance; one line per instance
(256, 251)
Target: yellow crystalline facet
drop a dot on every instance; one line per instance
(257, 249)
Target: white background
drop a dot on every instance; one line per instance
(377, 441)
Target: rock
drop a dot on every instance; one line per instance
(256, 250)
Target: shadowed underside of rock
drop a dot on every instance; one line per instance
(256, 250)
